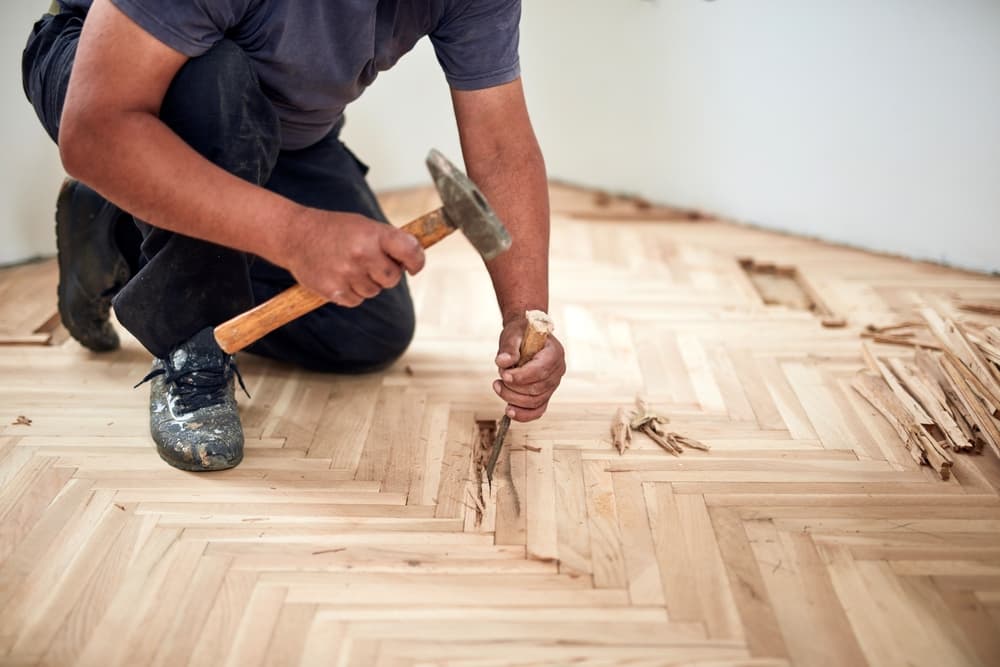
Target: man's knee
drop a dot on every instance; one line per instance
(216, 106)
(346, 340)
(363, 339)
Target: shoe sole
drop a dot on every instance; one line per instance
(189, 467)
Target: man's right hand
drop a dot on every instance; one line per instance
(347, 257)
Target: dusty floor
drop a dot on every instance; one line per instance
(351, 533)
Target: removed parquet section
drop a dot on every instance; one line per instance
(25, 319)
(354, 533)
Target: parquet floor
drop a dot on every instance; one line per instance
(351, 534)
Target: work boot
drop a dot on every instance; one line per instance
(92, 267)
(192, 406)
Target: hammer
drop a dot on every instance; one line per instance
(464, 208)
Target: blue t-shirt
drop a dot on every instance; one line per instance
(313, 57)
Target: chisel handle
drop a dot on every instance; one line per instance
(536, 332)
(247, 328)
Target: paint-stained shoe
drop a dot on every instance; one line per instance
(92, 267)
(192, 406)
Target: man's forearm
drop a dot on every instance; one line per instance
(503, 159)
(141, 165)
(514, 182)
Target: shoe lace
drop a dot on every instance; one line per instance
(197, 388)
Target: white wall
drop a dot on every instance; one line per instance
(874, 123)
(30, 172)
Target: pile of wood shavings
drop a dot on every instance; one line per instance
(653, 425)
(945, 399)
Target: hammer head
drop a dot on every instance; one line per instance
(466, 207)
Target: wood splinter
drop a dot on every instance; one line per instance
(621, 431)
(682, 440)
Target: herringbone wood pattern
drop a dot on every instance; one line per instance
(352, 533)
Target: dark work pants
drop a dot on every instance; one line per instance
(216, 105)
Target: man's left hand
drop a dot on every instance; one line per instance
(527, 389)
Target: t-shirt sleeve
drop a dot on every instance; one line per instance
(476, 43)
(191, 27)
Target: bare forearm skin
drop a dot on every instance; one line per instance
(135, 160)
(503, 158)
(516, 186)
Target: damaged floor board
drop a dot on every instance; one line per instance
(29, 317)
(357, 530)
(781, 285)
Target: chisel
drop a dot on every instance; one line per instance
(536, 332)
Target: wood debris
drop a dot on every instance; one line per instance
(871, 328)
(988, 342)
(678, 440)
(918, 442)
(909, 334)
(21, 421)
(982, 308)
(625, 206)
(906, 341)
(650, 423)
(482, 447)
(653, 425)
(946, 398)
(953, 336)
(621, 431)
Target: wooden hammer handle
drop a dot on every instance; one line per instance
(429, 228)
(249, 327)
